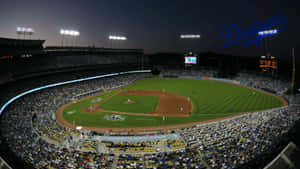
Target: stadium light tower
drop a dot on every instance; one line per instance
(267, 32)
(71, 33)
(24, 31)
(190, 36)
(116, 38)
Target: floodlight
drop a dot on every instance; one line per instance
(192, 36)
(67, 32)
(72, 33)
(117, 37)
(24, 31)
(268, 32)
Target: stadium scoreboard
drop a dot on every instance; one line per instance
(268, 62)
(190, 58)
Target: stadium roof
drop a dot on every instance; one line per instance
(18, 42)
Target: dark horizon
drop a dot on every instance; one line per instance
(153, 26)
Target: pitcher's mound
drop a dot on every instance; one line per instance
(129, 102)
(91, 108)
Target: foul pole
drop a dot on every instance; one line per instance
(293, 76)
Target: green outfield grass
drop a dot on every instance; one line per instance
(211, 99)
(143, 104)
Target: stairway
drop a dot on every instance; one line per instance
(115, 162)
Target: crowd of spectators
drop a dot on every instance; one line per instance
(262, 82)
(230, 143)
(180, 159)
(24, 135)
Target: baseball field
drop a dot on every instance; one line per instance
(165, 101)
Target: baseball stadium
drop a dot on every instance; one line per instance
(65, 104)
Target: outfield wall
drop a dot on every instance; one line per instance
(209, 78)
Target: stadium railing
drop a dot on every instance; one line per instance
(283, 159)
(3, 164)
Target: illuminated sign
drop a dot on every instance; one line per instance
(268, 62)
(6, 57)
(190, 60)
(265, 29)
(26, 55)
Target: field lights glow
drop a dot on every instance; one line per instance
(69, 32)
(189, 36)
(117, 38)
(268, 32)
(24, 30)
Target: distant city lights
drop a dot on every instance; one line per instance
(267, 32)
(190, 36)
(69, 32)
(117, 38)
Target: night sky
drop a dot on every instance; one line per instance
(153, 25)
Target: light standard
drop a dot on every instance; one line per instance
(24, 31)
(190, 36)
(71, 33)
(117, 38)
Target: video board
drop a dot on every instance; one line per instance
(190, 58)
(268, 62)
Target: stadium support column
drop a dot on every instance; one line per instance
(293, 76)
(62, 40)
(142, 61)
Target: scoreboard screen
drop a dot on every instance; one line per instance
(190, 60)
(268, 62)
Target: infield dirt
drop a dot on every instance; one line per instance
(63, 122)
(169, 105)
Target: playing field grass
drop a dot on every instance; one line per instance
(211, 99)
(143, 104)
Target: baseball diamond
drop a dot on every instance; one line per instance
(173, 102)
(149, 85)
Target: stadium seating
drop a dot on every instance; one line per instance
(229, 143)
